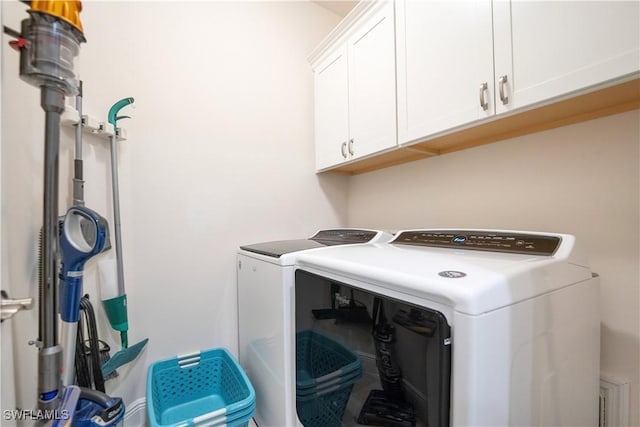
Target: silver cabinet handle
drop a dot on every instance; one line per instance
(11, 306)
(483, 102)
(502, 81)
(351, 146)
(343, 149)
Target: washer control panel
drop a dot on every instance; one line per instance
(519, 243)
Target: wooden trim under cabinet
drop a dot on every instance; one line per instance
(600, 103)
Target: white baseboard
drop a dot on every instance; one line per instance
(136, 413)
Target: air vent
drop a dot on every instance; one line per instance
(614, 403)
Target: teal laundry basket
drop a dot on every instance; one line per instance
(320, 359)
(324, 409)
(204, 388)
(325, 374)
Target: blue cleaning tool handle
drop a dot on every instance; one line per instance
(115, 108)
(83, 236)
(70, 294)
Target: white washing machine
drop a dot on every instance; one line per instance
(265, 316)
(490, 328)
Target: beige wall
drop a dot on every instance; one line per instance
(581, 179)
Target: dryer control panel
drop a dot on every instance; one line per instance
(519, 243)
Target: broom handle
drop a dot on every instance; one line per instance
(116, 213)
(113, 119)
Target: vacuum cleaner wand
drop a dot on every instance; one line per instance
(78, 183)
(48, 42)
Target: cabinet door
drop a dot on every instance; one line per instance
(552, 48)
(445, 54)
(331, 110)
(372, 90)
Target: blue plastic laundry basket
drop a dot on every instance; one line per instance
(326, 408)
(325, 374)
(338, 381)
(237, 419)
(207, 387)
(320, 359)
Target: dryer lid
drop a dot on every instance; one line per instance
(278, 248)
(328, 237)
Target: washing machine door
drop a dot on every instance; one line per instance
(404, 377)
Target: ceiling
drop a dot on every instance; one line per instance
(340, 7)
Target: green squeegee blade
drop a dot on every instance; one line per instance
(124, 356)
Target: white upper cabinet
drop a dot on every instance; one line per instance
(331, 110)
(355, 93)
(462, 61)
(407, 79)
(553, 48)
(372, 85)
(445, 65)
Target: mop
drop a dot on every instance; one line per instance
(116, 307)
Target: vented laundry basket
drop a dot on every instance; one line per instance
(324, 409)
(352, 378)
(205, 388)
(325, 374)
(320, 359)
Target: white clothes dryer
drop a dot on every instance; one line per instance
(488, 328)
(265, 316)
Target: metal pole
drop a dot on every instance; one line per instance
(116, 211)
(78, 183)
(50, 353)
